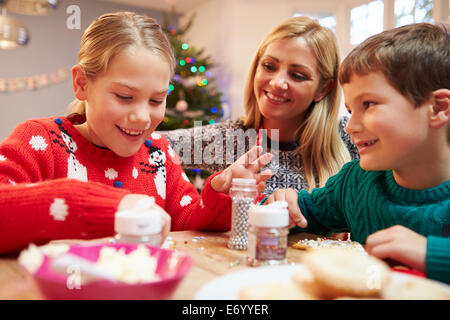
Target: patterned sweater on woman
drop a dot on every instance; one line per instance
(55, 184)
(215, 147)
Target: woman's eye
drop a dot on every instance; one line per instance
(268, 66)
(298, 76)
(121, 97)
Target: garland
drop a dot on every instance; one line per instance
(34, 82)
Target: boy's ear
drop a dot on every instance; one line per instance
(440, 108)
(324, 91)
(79, 82)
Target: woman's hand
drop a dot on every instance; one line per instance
(400, 244)
(131, 201)
(248, 167)
(291, 197)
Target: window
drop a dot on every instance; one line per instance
(325, 19)
(366, 20)
(412, 11)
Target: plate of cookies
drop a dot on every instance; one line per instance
(328, 273)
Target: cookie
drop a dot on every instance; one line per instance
(339, 272)
(304, 279)
(273, 291)
(416, 289)
(306, 244)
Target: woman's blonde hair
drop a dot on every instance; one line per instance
(322, 149)
(113, 33)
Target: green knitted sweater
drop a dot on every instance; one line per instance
(363, 202)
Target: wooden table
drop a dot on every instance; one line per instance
(209, 251)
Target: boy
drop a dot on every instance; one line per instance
(396, 87)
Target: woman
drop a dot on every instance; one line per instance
(292, 94)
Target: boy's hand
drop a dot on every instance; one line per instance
(248, 167)
(290, 196)
(401, 244)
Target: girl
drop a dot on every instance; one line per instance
(66, 177)
(292, 92)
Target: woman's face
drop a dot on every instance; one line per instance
(125, 104)
(286, 81)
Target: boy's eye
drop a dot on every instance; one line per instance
(367, 104)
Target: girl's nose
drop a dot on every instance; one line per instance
(140, 114)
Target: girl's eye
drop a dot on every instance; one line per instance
(156, 102)
(126, 98)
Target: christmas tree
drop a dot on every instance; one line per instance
(192, 94)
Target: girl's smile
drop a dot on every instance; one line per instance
(126, 103)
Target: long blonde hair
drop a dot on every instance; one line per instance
(322, 149)
(111, 34)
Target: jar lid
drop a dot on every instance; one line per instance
(139, 221)
(274, 215)
(243, 181)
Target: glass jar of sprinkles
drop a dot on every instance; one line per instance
(243, 194)
(142, 224)
(267, 234)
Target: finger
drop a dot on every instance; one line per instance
(384, 251)
(250, 156)
(254, 153)
(261, 186)
(294, 210)
(263, 176)
(263, 160)
(269, 200)
(378, 238)
(222, 182)
(279, 195)
(291, 223)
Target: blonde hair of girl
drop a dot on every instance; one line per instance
(322, 149)
(113, 33)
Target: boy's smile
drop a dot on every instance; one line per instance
(388, 130)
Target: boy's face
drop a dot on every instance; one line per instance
(126, 103)
(389, 132)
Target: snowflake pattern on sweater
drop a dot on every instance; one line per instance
(55, 184)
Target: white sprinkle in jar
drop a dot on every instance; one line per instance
(243, 194)
(267, 234)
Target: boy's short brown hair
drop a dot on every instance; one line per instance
(415, 59)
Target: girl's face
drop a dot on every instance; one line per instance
(127, 102)
(389, 132)
(286, 81)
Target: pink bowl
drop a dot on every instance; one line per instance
(171, 268)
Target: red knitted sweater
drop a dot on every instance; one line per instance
(55, 184)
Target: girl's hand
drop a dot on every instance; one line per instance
(401, 244)
(131, 201)
(290, 196)
(248, 167)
